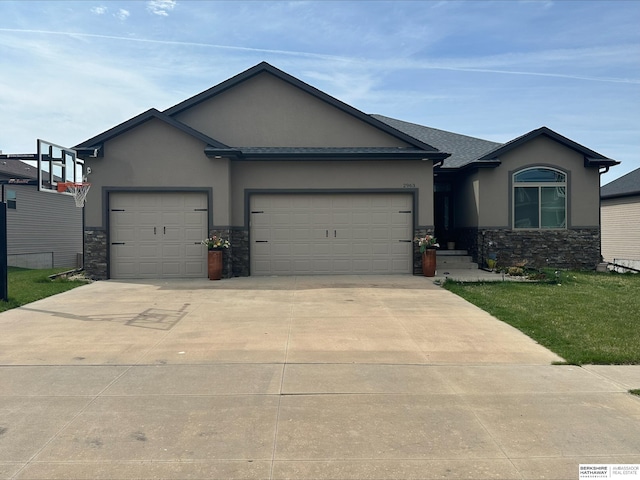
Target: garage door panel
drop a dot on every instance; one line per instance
(281, 234)
(281, 267)
(341, 218)
(331, 233)
(124, 234)
(400, 249)
(280, 249)
(195, 268)
(149, 250)
(161, 232)
(301, 249)
(193, 251)
(193, 235)
(147, 269)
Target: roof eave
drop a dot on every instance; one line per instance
(600, 162)
(336, 156)
(620, 195)
(495, 162)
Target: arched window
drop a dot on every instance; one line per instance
(539, 198)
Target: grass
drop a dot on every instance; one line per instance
(585, 317)
(26, 286)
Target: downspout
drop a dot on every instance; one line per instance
(601, 172)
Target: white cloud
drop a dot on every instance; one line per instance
(161, 7)
(101, 10)
(122, 14)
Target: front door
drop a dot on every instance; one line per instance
(443, 213)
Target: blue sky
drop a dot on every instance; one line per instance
(489, 69)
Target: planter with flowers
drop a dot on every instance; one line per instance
(214, 246)
(428, 245)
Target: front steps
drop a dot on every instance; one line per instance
(454, 260)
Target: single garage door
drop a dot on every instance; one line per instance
(157, 235)
(311, 234)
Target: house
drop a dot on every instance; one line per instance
(44, 230)
(302, 183)
(620, 211)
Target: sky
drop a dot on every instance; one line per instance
(496, 70)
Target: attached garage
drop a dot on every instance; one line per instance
(331, 233)
(297, 181)
(157, 234)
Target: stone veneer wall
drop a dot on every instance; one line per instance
(577, 249)
(95, 254)
(240, 254)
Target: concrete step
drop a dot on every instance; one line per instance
(455, 260)
(457, 265)
(448, 253)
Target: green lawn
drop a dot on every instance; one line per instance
(586, 318)
(26, 286)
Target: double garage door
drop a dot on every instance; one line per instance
(312, 234)
(157, 235)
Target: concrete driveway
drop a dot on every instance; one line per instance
(298, 377)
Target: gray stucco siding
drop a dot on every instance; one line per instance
(265, 111)
(336, 176)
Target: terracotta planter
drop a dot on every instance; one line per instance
(214, 264)
(429, 262)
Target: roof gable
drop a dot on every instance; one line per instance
(182, 108)
(95, 144)
(591, 158)
(627, 185)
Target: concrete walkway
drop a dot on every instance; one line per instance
(300, 377)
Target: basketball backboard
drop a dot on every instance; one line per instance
(57, 164)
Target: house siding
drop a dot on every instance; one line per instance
(621, 228)
(44, 231)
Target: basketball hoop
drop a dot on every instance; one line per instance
(78, 190)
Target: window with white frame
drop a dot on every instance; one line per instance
(539, 198)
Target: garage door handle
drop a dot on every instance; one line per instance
(405, 241)
(262, 241)
(117, 243)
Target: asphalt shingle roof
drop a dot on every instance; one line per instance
(626, 185)
(17, 168)
(463, 149)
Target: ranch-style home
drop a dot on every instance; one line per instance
(302, 183)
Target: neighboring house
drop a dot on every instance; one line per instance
(620, 211)
(44, 230)
(302, 183)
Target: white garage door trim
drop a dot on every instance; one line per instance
(157, 234)
(331, 233)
